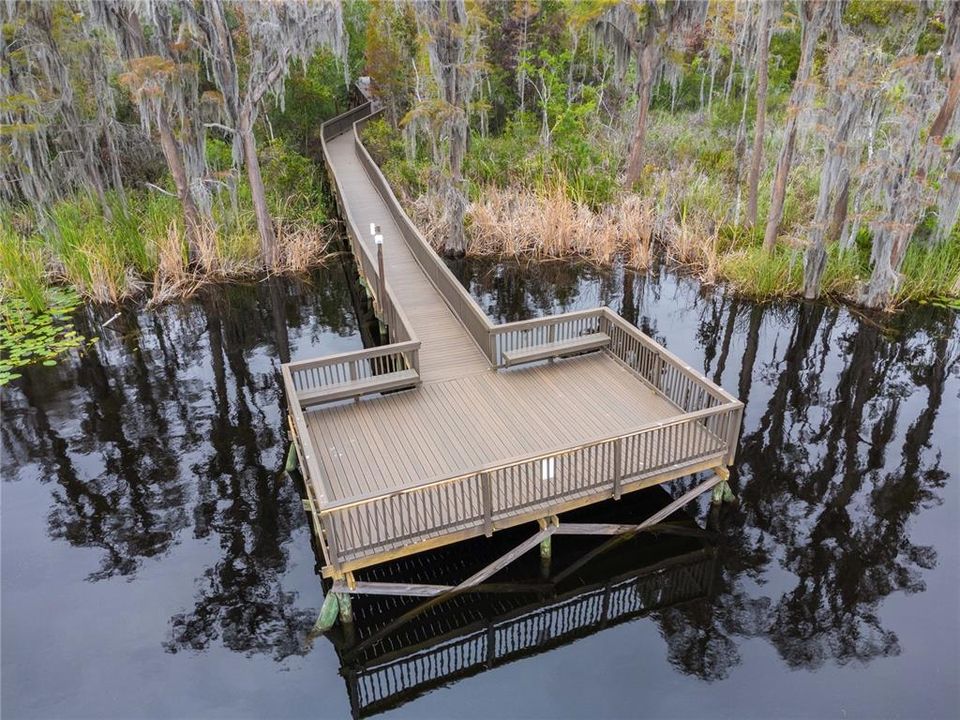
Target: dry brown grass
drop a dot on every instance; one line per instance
(301, 248)
(521, 223)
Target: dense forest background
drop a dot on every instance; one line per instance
(786, 147)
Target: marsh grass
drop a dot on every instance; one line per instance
(139, 247)
(143, 250)
(22, 269)
(932, 273)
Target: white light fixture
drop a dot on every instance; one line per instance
(378, 239)
(548, 468)
(373, 229)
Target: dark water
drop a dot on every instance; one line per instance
(156, 562)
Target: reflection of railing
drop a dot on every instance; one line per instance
(401, 675)
(504, 495)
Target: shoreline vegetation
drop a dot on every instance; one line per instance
(147, 153)
(147, 148)
(796, 149)
(677, 223)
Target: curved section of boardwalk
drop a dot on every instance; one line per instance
(463, 444)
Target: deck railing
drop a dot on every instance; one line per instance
(501, 495)
(525, 334)
(376, 367)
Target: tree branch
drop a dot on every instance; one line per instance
(256, 94)
(218, 126)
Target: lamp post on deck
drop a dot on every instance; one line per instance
(378, 239)
(381, 283)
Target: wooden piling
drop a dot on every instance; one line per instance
(722, 493)
(293, 460)
(346, 610)
(328, 614)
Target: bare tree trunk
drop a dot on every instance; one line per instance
(942, 120)
(839, 210)
(889, 250)
(756, 158)
(456, 198)
(811, 33)
(191, 216)
(649, 58)
(268, 238)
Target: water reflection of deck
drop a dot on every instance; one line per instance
(397, 650)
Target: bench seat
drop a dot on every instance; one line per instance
(584, 343)
(399, 380)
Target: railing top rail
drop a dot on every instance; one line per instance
(441, 267)
(364, 354)
(521, 459)
(703, 380)
(500, 328)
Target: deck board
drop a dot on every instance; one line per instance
(450, 427)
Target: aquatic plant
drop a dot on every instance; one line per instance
(29, 336)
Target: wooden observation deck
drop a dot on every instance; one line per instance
(460, 427)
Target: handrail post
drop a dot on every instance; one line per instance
(617, 467)
(733, 433)
(326, 521)
(487, 503)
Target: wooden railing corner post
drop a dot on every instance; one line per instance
(617, 467)
(326, 522)
(733, 433)
(487, 494)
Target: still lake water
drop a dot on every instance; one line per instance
(157, 563)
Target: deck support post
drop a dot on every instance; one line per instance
(546, 545)
(487, 501)
(328, 614)
(293, 459)
(721, 491)
(346, 609)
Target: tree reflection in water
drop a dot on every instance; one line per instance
(175, 424)
(836, 456)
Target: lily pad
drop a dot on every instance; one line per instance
(28, 337)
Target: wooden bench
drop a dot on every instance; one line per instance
(399, 380)
(584, 343)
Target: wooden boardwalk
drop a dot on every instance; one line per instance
(459, 427)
